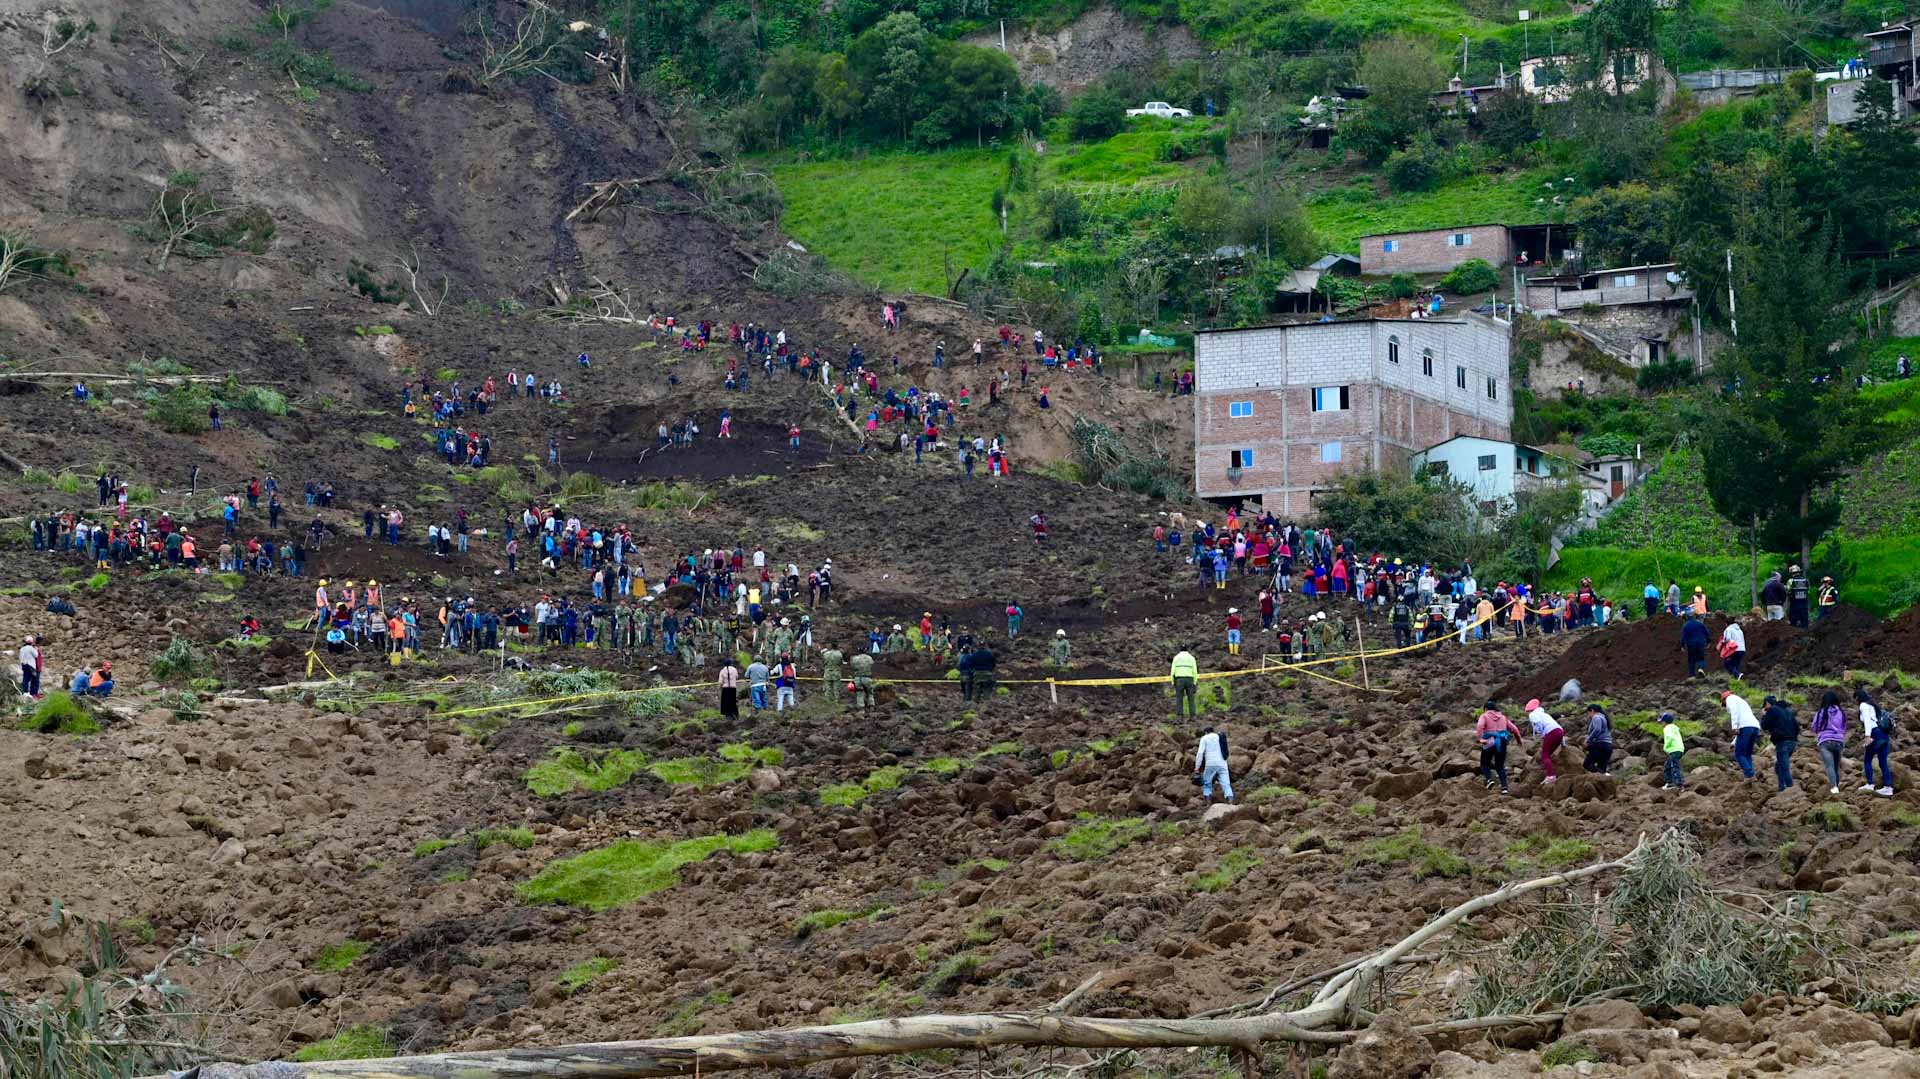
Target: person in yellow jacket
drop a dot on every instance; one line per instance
(1185, 675)
(1675, 745)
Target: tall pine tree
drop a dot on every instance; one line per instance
(1790, 419)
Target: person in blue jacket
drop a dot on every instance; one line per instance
(1693, 637)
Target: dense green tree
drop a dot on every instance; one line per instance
(1096, 114)
(1203, 211)
(1616, 29)
(1625, 225)
(839, 97)
(982, 88)
(1400, 74)
(787, 89)
(1790, 420)
(889, 64)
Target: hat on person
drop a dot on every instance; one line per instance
(896, 625)
(1233, 610)
(1795, 568)
(1697, 590)
(1059, 633)
(1725, 693)
(1532, 704)
(1667, 717)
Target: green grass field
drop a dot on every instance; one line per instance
(1343, 215)
(1884, 578)
(892, 219)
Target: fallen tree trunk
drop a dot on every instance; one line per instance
(1341, 1003)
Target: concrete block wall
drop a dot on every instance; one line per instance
(1394, 409)
(1428, 252)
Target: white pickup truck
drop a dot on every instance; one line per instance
(1162, 110)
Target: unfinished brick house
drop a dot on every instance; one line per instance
(1279, 411)
(1435, 250)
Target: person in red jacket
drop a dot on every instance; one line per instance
(1233, 631)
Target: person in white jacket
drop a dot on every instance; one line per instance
(1548, 730)
(1210, 764)
(1746, 729)
(1735, 659)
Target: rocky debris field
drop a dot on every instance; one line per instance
(362, 862)
(333, 872)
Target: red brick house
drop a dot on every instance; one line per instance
(1280, 410)
(1435, 250)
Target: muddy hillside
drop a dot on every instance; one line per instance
(281, 837)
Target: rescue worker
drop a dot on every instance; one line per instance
(1060, 649)
(863, 680)
(1829, 596)
(1796, 597)
(830, 661)
(1185, 676)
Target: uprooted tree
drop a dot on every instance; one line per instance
(1663, 936)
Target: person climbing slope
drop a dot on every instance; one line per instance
(1494, 730)
(1550, 733)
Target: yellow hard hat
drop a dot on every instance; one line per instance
(323, 582)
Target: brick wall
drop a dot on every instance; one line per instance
(1428, 252)
(1393, 409)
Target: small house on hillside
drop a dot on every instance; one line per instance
(1893, 53)
(1552, 80)
(1459, 97)
(1651, 283)
(1299, 292)
(1434, 250)
(1493, 469)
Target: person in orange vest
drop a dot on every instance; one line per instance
(187, 556)
(320, 604)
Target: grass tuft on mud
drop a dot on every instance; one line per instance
(567, 770)
(363, 1042)
(1426, 859)
(60, 713)
(880, 779)
(1095, 838)
(337, 957)
(1234, 865)
(619, 874)
(576, 977)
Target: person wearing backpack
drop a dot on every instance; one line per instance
(1210, 764)
(1777, 720)
(1830, 734)
(1877, 723)
(1494, 730)
(1599, 740)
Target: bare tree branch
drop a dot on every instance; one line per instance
(527, 47)
(1338, 1005)
(429, 304)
